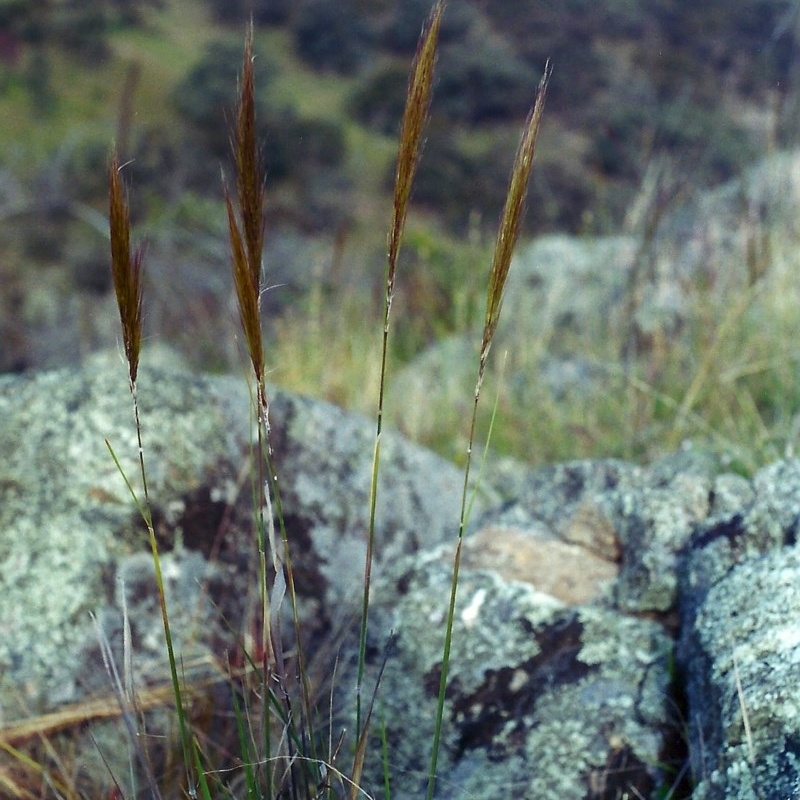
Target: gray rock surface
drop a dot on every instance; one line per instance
(575, 286)
(620, 629)
(740, 642)
(73, 543)
(744, 674)
(719, 233)
(565, 680)
(543, 699)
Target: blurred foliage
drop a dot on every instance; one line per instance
(482, 80)
(37, 80)
(633, 81)
(379, 99)
(80, 26)
(332, 35)
(443, 291)
(459, 179)
(294, 148)
(207, 94)
(401, 33)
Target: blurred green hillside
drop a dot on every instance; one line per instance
(708, 86)
(661, 99)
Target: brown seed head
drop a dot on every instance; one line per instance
(126, 270)
(418, 100)
(513, 211)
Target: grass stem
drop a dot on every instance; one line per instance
(507, 236)
(418, 98)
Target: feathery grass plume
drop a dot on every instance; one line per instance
(513, 212)
(246, 225)
(247, 242)
(507, 235)
(126, 270)
(415, 117)
(418, 99)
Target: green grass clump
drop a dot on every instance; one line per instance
(281, 736)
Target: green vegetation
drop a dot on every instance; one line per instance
(281, 733)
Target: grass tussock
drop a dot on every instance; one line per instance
(726, 377)
(280, 734)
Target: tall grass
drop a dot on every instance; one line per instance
(126, 270)
(281, 733)
(420, 87)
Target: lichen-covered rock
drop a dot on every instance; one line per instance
(574, 284)
(742, 657)
(324, 459)
(639, 518)
(72, 541)
(576, 580)
(596, 552)
(739, 648)
(544, 700)
(66, 519)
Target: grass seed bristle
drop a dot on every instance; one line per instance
(513, 211)
(126, 270)
(418, 100)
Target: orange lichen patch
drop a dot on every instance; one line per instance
(564, 570)
(590, 528)
(103, 496)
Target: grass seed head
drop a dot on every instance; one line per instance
(126, 269)
(512, 215)
(418, 100)
(246, 230)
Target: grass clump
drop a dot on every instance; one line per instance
(285, 746)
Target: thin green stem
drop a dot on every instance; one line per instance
(507, 235)
(418, 97)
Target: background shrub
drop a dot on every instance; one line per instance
(332, 35)
(263, 12)
(379, 99)
(205, 97)
(483, 80)
(461, 179)
(400, 35)
(295, 147)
